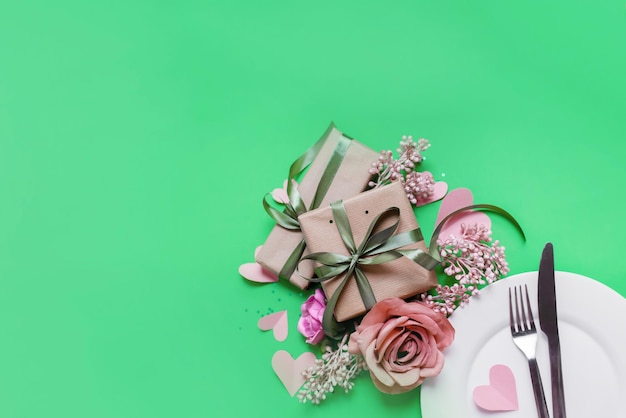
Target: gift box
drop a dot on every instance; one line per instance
(401, 277)
(351, 177)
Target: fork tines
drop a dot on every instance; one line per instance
(524, 335)
(523, 321)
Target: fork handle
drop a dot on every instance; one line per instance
(540, 398)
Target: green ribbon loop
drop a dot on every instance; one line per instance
(432, 249)
(378, 247)
(288, 218)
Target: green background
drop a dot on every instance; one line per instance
(138, 138)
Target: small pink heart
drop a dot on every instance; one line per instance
(280, 195)
(289, 371)
(256, 273)
(276, 321)
(441, 188)
(501, 393)
(457, 199)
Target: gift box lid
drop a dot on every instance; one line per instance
(398, 278)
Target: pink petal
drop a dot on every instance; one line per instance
(367, 337)
(382, 344)
(424, 323)
(409, 344)
(316, 311)
(353, 345)
(304, 326)
(375, 367)
(436, 368)
(388, 327)
(380, 312)
(319, 297)
(406, 379)
(317, 337)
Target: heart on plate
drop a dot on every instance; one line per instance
(289, 371)
(256, 273)
(501, 393)
(457, 199)
(441, 188)
(276, 322)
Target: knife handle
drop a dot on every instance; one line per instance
(540, 399)
(556, 377)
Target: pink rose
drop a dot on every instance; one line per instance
(310, 323)
(401, 343)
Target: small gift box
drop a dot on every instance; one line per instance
(342, 164)
(366, 214)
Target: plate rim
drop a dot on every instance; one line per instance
(430, 405)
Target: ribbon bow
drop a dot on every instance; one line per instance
(376, 248)
(288, 219)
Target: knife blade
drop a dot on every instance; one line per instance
(549, 325)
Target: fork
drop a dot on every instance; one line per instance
(524, 335)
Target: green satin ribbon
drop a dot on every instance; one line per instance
(288, 218)
(432, 249)
(377, 247)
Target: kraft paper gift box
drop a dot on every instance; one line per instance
(351, 178)
(398, 278)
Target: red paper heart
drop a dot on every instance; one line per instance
(276, 322)
(457, 199)
(501, 393)
(289, 371)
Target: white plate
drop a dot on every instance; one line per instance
(592, 330)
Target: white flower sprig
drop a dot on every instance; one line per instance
(335, 368)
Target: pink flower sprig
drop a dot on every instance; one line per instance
(419, 186)
(472, 259)
(448, 298)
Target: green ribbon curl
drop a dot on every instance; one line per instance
(288, 218)
(377, 247)
(432, 249)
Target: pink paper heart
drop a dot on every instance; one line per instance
(276, 321)
(457, 199)
(256, 273)
(289, 371)
(441, 188)
(280, 195)
(501, 393)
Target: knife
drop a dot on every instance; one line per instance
(549, 326)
